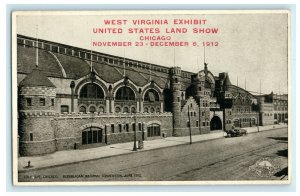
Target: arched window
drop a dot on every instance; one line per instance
(117, 109)
(91, 91)
(82, 109)
(146, 110)
(101, 109)
(152, 110)
(133, 110)
(151, 95)
(125, 110)
(125, 93)
(92, 109)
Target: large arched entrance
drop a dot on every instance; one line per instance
(215, 123)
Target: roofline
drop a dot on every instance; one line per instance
(103, 54)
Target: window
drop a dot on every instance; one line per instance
(127, 127)
(28, 101)
(197, 123)
(125, 93)
(82, 109)
(151, 96)
(176, 80)
(30, 136)
(117, 109)
(188, 123)
(54, 49)
(112, 128)
(64, 108)
(52, 102)
(92, 109)
(101, 109)
(133, 110)
(146, 110)
(91, 91)
(203, 124)
(125, 110)
(140, 126)
(153, 130)
(120, 128)
(42, 102)
(178, 99)
(152, 110)
(133, 127)
(91, 135)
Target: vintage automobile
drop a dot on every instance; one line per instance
(236, 132)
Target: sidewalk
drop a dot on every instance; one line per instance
(74, 156)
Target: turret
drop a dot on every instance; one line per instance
(176, 101)
(36, 102)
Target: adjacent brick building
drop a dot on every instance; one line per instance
(273, 109)
(76, 98)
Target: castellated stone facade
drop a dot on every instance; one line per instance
(76, 99)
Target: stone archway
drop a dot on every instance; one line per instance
(215, 123)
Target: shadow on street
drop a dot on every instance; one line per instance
(282, 139)
(121, 148)
(283, 172)
(282, 153)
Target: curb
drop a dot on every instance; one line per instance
(109, 156)
(131, 152)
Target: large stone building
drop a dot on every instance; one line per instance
(76, 98)
(273, 109)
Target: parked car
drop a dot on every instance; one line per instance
(236, 132)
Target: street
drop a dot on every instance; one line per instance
(220, 159)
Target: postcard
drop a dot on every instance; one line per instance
(152, 97)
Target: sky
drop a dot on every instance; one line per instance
(252, 48)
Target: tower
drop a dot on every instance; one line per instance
(36, 102)
(176, 98)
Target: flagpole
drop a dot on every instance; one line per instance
(124, 74)
(91, 57)
(37, 48)
(174, 53)
(204, 54)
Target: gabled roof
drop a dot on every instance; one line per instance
(36, 78)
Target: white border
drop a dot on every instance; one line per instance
(134, 12)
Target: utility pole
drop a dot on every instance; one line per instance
(190, 124)
(259, 105)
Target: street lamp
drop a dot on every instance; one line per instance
(134, 136)
(257, 118)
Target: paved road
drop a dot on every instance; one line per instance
(220, 159)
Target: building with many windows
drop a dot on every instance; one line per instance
(273, 109)
(74, 98)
